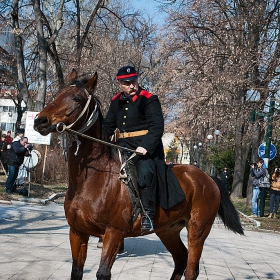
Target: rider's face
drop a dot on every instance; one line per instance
(129, 87)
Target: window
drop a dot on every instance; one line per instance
(7, 126)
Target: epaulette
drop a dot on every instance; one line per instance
(145, 93)
(117, 96)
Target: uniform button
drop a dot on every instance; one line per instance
(124, 117)
(126, 109)
(123, 123)
(127, 101)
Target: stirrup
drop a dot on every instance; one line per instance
(147, 227)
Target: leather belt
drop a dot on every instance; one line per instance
(133, 133)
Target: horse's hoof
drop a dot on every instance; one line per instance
(121, 250)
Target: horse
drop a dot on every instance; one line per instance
(97, 202)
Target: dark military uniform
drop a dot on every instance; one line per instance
(137, 113)
(140, 122)
(139, 119)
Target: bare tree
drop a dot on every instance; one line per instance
(215, 53)
(44, 41)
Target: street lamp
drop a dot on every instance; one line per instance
(210, 137)
(198, 156)
(194, 153)
(217, 133)
(197, 148)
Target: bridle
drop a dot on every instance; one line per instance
(72, 135)
(92, 118)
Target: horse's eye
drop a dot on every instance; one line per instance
(78, 98)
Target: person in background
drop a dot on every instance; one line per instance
(195, 164)
(22, 169)
(225, 177)
(9, 138)
(17, 153)
(4, 154)
(274, 194)
(257, 171)
(19, 134)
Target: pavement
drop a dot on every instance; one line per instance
(35, 245)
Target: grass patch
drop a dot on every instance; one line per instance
(266, 223)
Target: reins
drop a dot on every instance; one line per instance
(65, 128)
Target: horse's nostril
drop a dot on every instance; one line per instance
(43, 120)
(40, 121)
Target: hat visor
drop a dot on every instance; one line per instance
(128, 79)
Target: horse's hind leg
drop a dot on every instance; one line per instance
(197, 233)
(170, 237)
(79, 246)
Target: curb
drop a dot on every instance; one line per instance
(22, 200)
(256, 224)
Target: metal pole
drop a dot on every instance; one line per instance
(44, 165)
(267, 149)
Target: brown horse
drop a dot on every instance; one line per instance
(97, 203)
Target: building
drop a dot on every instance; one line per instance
(170, 141)
(8, 115)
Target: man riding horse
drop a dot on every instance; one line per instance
(137, 116)
(97, 202)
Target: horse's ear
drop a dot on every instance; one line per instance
(73, 76)
(92, 83)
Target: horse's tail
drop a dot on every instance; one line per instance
(227, 211)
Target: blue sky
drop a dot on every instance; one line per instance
(150, 7)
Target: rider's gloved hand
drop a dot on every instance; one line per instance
(141, 150)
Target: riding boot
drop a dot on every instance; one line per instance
(149, 207)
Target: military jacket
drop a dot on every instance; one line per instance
(139, 112)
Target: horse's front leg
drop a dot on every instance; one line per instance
(112, 241)
(79, 245)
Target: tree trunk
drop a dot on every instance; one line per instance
(42, 76)
(241, 152)
(254, 156)
(21, 81)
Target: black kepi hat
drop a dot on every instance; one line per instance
(127, 73)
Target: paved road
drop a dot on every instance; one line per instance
(34, 245)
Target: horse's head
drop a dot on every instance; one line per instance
(71, 106)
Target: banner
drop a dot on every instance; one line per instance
(33, 136)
